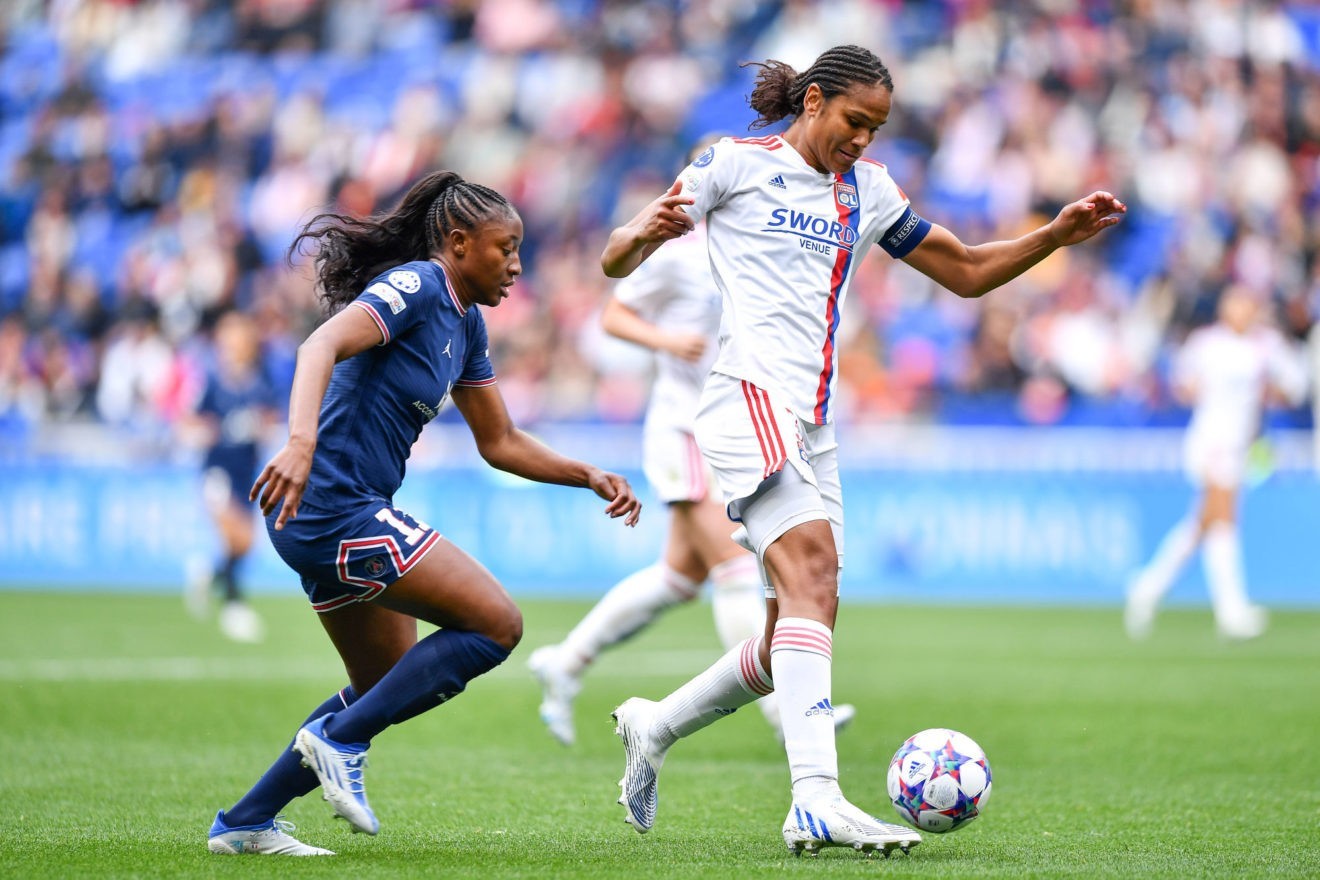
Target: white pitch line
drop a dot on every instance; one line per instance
(154, 669)
(639, 665)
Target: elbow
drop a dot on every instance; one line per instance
(968, 289)
(490, 455)
(975, 285)
(495, 452)
(965, 282)
(609, 259)
(609, 318)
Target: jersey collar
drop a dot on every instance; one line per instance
(449, 288)
(821, 176)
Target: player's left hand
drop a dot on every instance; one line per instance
(282, 481)
(1085, 217)
(615, 489)
(685, 346)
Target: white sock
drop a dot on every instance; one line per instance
(629, 606)
(1222, 560)
(738, 603)
(1159, 574)
(737, 600)
(800, 660)
(734, 680)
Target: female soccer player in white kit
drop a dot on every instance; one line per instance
(1227, 371)
(788, 218)
(671, 306)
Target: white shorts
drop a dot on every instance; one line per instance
(1207, 462)
(748, 439)
(217, 490)
(673, 464)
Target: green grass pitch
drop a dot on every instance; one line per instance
(126, 725)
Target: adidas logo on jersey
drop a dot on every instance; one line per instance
(778, 182)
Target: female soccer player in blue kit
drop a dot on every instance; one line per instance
(404, 335)
(236, 405)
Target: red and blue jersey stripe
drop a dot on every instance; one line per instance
(848, 215)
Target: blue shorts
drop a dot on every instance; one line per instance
(350, 555)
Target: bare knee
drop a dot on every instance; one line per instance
(806, 584)
(506, 629)
(819, 604)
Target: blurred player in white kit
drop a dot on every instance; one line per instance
(1228, 372)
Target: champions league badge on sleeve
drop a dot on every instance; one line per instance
(406, 280)
(707, 156)
(389, 295)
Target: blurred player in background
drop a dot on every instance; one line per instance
(237, 404)
(671, 306)
(404, 335)
(1227, 372)
(788, 217)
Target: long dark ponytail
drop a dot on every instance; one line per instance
(780, 89)
(350, 251)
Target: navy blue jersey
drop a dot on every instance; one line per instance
(237, 404)
(379, 401)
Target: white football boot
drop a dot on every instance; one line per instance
(833, 821)
(339, 768)
(270, 838)
(1138, 616)
(1249, 622)
(639, 793)
(240, 623)
(558, 690)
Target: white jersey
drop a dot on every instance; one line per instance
(785, 241)
(675, 291)
(1229, 374)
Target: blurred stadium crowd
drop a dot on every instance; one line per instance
(156, 158)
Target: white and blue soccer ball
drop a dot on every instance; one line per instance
(939, 780)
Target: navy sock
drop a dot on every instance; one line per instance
(434, 670)
(227, 575)
(286, 779)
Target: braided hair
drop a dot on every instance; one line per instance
(780, 89)
(350, 251)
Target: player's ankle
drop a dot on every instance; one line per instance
(816, 788)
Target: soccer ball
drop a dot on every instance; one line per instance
(939, 780)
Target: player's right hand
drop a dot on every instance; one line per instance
(664, 218)
(283, 479)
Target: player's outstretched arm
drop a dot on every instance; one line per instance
(283, 479)
(505, 446)
(974, 270)
(624, 322)
(630, 244)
